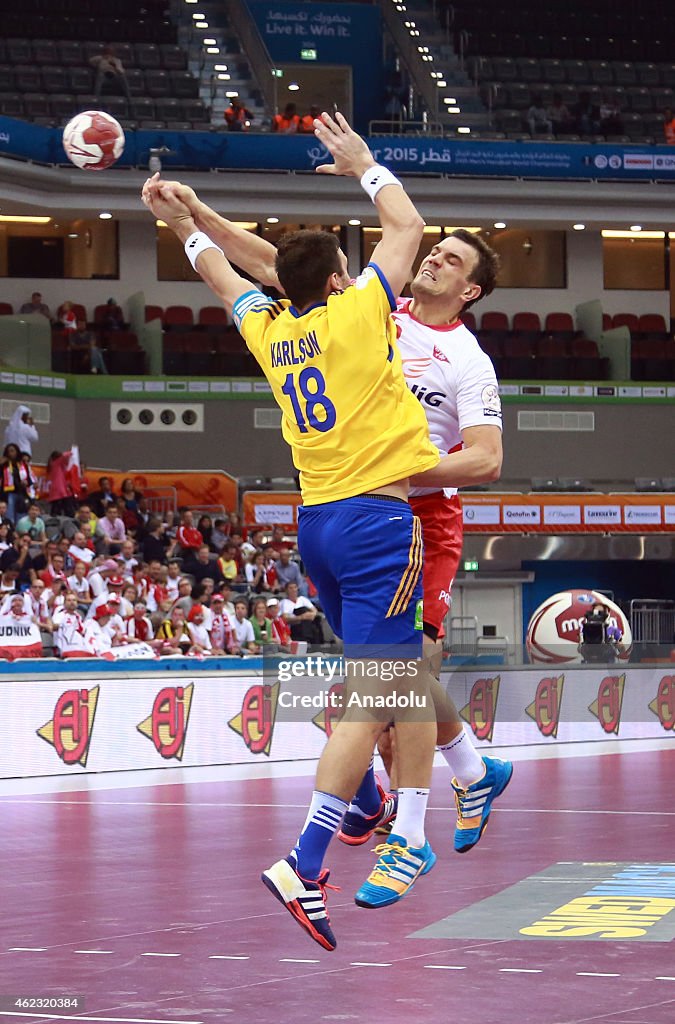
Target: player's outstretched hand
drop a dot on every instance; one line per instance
(348, 149)
(166, 206)
(155, 184)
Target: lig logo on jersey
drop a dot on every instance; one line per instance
(415, 367)
(545, 708)
(328, 717)
(663, 705)
(481, 710)
(167, 725)
(69, 730)
(433, 398)
(607, 705)
(255, 721)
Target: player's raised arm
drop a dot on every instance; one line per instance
(205, 256)
(402, 226)
(250, 252)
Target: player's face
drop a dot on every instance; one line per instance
(445, 273)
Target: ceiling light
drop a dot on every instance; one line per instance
(293, 87)
(212, 49)
(231, 94)
(220, 67)
(210, 42)
(354, 222)
(272, 220)
(25, 220)
(201, 24)
(224, 78)
(73, 234)
(453, 110)
(636, 227)
(499, 224)
(632, 234)
(449, 99)
(197, 17)
(105, 216)
(464, 131)
(579, 227)
(247, 225)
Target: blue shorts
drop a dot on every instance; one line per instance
(365, 555)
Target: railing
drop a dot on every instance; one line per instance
(400, 126)
(162, 500)
(652, 621)
(407, 49)
(256, 52)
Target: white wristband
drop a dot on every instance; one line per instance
(376, 178)
(196, 244)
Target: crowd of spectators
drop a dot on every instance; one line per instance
(110, 579)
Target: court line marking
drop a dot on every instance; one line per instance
(443, 967)
(525, 970)
(97, 952)
(161, 954)
(227, 956)
(360, 963)
(664, 977)
(125, 1020)
(596, 974)
(191, 803)
(292, 960)
(28, 949)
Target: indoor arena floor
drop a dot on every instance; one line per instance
(141, 892)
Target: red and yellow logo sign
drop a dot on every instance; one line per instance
(328, 717)
(255, 721)
(481, 710)
(545, 708)
(69, 730)
(607, 705)
(167, 725)
(663, 704)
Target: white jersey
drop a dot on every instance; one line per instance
(69, 633)
(455, 381)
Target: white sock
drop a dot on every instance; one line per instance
(409, 821)
(464, 761)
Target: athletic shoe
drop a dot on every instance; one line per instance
(304, 899)
(356, 830)
(397, 869)
(475, 803)
(384, 830)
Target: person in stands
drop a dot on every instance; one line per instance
(669, 126)
(237, 117)
(307, 120)
(287, 122)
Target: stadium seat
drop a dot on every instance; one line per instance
(529, 69)
(179, 126)
(648, 74)
(123, 353)
(173, 57)
(63, 106)
(606, 322)
(6, 309)
(494, 324)
(54, 78)
(527, 325)
(136, 81)
(518, 359)
(184, 85)
(199, 354)
(651, 325)
(169, 109)
(469, 321)
(27, 78)
(20, 50)
(148, 55)
(552, 361)
(587, 361)
(157, 82)
(560, 326)
(36, 104)
(213, 318)
(80, 80)
(174, 357)
(11, 104)
(6, 78)
(652, 359)
(103, 311)
(153, 313)
(178, 318)
(70, 53)
(143, 108)
(628, 320)
(43, 51)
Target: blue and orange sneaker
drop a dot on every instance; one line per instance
(356, 830)
(303, 898)
(397, 869)
(475, 803)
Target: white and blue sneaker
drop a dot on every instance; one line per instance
(475, 803)
(397, 869)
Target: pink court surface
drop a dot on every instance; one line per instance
(140, 892)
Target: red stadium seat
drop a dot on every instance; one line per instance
(518, 357)
(606, 322)
(552, 359)
(178, 318)
(6, 309)
(498, 322)
(651, 325)
(588, 363)
(153, 313)
(213, 317)
(469, 321)
(527, 324)
(628, 320)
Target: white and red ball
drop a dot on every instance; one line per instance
(554, 631)
(93, 140)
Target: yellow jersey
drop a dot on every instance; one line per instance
(335, 372)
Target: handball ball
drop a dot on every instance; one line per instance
(93, 140)
(554, 630)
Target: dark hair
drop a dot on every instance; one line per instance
(486, 269)
(305, 260)
(53, 457)
(11, 444)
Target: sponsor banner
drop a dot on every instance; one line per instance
(481, 515)
(244, 151)
(562, 514)
(19, 639)
(121, 721)
(572, 512)
(271, 508)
